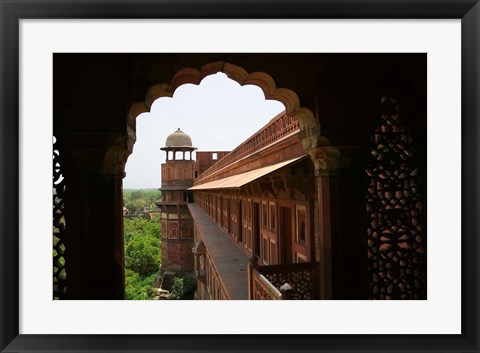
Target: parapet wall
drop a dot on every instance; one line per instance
(281, 127)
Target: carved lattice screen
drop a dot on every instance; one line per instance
(396, 247)
(59, 274)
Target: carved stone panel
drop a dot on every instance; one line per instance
(396, 246)
(59, 229)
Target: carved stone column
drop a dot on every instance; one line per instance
(93, 212)
(327, 161)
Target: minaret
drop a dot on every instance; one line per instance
(177, 224)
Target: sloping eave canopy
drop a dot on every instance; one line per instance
(239, 180)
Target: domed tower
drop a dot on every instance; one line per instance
(177, 224)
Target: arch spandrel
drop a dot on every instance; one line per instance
(135, 110)
(262, 80)
(157, 91)
(185, 75)
(234, 72)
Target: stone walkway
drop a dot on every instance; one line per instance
(230, 262)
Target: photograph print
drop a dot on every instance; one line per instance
(240, 176)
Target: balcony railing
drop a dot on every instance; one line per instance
(279, 127)
(283, 282)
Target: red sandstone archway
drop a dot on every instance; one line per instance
(309, 126)
(327, 159)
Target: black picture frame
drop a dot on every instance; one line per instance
(12, 11)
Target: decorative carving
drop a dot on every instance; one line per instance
(300, 193)
(173, 229)
(59, 270)
(261, 292)
(186, 230)
(256, 189)
(302, 279)
(116, 157)
(266, 187)
(327, 160)
(234, 72)
(396, 248)
(164, 228)
(287, 185)
(277, 184)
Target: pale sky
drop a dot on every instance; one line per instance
(218, 114)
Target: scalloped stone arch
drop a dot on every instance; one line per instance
(310, 129)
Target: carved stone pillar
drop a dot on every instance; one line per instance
(95, 246)
(327, 163)
(199, 253)
(93, 212)
(340, 245)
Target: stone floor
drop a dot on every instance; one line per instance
(230, 262)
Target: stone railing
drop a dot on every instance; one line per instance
(263, 289)
(283, 282)
(279, 127)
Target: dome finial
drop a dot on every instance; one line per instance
(178, 139)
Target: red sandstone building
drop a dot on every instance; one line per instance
(253, 215)
(328, 199)
(256, 203)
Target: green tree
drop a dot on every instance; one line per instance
(136, 200)
(142, 245)
(135, 205)
(142, 257)
(138, 226)
(181, 287)
(138, 287)
(136, 195)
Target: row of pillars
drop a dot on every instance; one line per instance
(172, 155)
